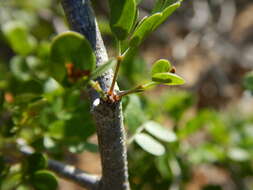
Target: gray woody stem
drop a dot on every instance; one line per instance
(108, 116)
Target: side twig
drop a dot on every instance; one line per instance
(63, 170)
(68, 172)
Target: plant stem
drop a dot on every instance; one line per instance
(96, 86)
(131, 91)
(119, 60)
(107, 116)
(119, 48)
(137, 89)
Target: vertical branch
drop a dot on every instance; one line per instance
(108, 116)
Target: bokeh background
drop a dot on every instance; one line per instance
(210, 42)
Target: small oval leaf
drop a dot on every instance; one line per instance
(44, 180)
(149, 144)
(144, 28)
(71, 54)
(19, 38)
(166, 13)
(168, 78)
(161, 66)
(160, 132)
(122, 17)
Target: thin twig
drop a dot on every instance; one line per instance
(115, 76)
(66, 171)
(74, 174)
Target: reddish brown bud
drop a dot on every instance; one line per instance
(173, 70)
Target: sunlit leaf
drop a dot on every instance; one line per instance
(161, 66)
(168, 78)
(149, 144)
(56, 129)
(160, 132)
(145, 27)
(122, 17)
(166, 13)
(12, 181)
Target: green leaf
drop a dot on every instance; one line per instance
(168, 78)
(161, 66)
(162, 166)
(44, 180)
(35, 162)
(145, 27)
(20, 68)
(122, 17)
(12, 180)
(166, 13)
(207, 153)
(70, 48)
(194, 124)
(160, 132)
(158, 6)
(134, 113)
(138, 1)
(149, 144)
(248, 81)
(56, 129)
(4, 169)
(175, 103)
(19, 38)
(103, 68)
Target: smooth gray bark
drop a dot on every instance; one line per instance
(107, 115)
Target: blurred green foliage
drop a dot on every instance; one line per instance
(163, 127)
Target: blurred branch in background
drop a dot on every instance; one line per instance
(68, 172)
